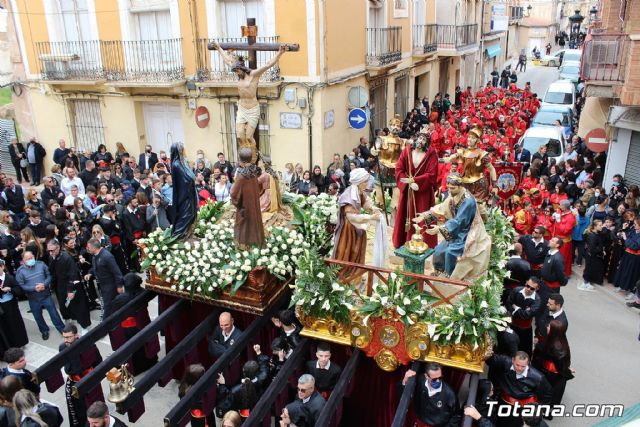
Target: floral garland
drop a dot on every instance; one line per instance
(399, 296)
(478, 312)
(316, 289)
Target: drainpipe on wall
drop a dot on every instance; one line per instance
(481, 67)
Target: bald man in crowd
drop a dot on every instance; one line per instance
(223, 337)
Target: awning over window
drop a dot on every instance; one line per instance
(493, 51)
(594, 115)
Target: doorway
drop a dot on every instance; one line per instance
(163, 124)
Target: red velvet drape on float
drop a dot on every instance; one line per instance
(376, 394)
(185, 323)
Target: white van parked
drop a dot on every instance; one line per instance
(561, 92)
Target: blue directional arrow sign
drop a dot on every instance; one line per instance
(357, 118)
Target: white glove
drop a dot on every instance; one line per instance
(406, 180)
(414, 186)
(556, 216)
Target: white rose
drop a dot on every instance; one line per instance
(321, 275)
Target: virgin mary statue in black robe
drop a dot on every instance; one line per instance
(185, 198)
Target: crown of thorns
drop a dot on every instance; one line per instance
(239, 65)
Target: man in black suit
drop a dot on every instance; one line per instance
(436, 403)
(89, 175)
(51, 192)
(133, 227)
(534, 249)
(522, 155)
(312, 401)
(325, 372)
(524, 305)
(105, 269)
(556, 312)
(37, 224)
(98, 416)
(148, 159)
(224, 335)
(520, 270)
(289, 328)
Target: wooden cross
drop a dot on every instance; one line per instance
(250, 31)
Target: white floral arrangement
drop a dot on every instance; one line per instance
(478, 313)
(311, 216)
(399, 296)
(317, 290)
(213, 262)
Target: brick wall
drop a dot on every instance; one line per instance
(632, 17)
(630, 93)
(610, 16)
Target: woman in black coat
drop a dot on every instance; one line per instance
(242, 397)
(553, 358)
(595, 240)
(17, 153)
(12, 330)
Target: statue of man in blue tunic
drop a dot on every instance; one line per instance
(464, 252)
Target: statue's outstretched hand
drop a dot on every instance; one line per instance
(414, 186)
(406, 180)
(420, 217)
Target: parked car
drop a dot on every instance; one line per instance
(548, 114)
(534, 137)
(561, 92)
(570, 71)
(558, 58)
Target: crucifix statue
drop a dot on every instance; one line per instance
(248, 106)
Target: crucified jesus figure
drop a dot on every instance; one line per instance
(248, 106)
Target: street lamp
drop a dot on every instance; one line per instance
(593, 13)
(529, 7)
(575, 20)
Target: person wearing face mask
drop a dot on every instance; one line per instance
(148, 159)
(436, 404)
(35, 280)
(164, 159)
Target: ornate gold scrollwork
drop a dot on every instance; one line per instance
(386, 360)
(418, 341)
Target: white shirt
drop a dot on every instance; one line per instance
(226, 337)
(326, 367)
(552, 251)
(556, 314)
(532, 296)
(537, 242)
(523, 375)
(15, 371)
(66, 184)
(432, 391)
(290, 332)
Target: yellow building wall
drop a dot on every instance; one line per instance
(50, 122)
(340, 138)
(186, 12)
(291, 26)
(119, 122)
(108, 18)
(405, 23)
(345, 36)
(34, 29)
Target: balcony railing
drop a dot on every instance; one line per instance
(457, 36)
(211, 67)
(70, 60)
(425, 38)
(604, 57)
(146, 61)
(384, 46)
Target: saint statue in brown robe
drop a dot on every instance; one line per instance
(245, 196)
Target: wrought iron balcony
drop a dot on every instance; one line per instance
(425, 38)
(384, 46)
(211, 67)
(70, 60)
(604, 57)
(457, 36)
(145, 61)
